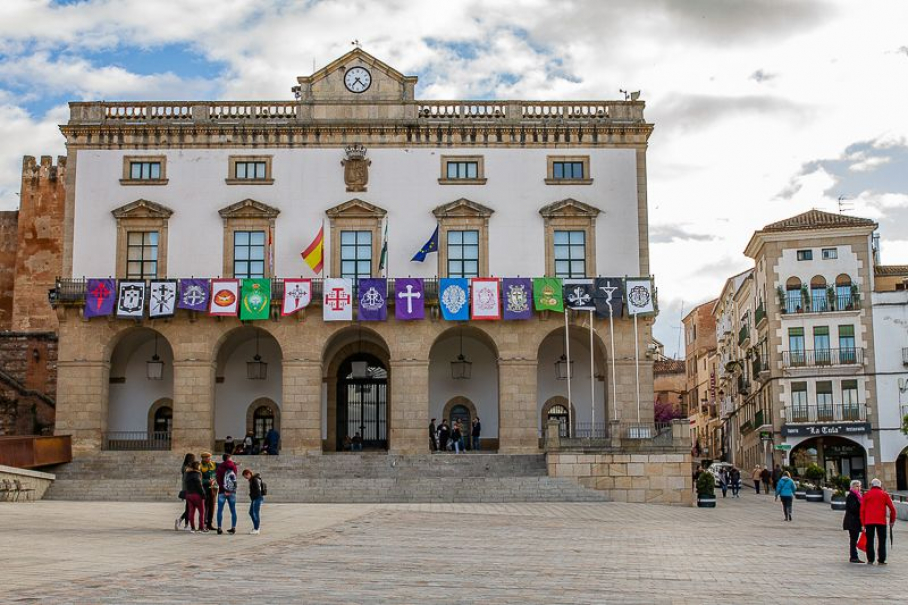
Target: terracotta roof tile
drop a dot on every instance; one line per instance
(817, 219)
(896, 270)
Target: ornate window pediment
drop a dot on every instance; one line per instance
(569, 208)
(572, 216)
(142, 209)
(463, 238)
(249, 208)
(359, 216)
(142, 239)
(462, 208)
(356, 208)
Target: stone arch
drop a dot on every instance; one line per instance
(793, 284)
(217, 348)
(265, 402)
(164, 402)
(553, 402)
(843, 279)
(459, 400)
(829, 451)
(817, 281)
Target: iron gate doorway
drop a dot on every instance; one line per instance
(362, 402)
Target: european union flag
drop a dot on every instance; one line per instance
(429, 247)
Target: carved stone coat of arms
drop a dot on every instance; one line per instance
(356, 168)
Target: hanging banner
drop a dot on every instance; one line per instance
(225, 299)
(131, 300)
(452, 298)
(193, 294)
(255, 299)
(517, 295)
(373, 299)
(162, 298)
(640, 296)
(609, 296)
(578, 294)
(297, 295)
(548, 294)
(484, 299)
(99, 297)
(337, 302)
(409, 301)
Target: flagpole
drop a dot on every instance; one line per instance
(637, 364)
(567, 352)
(611, 330)
(592, 381)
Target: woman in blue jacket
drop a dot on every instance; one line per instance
(785, 489)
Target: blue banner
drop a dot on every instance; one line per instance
(453, 294)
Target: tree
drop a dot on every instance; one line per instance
(664, 411)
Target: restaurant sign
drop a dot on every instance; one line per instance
(819, 430)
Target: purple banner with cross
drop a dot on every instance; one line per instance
(409, 299)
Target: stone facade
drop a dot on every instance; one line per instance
(9, 244)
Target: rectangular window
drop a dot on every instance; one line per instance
(799, 402)
(141, 255)
(846, 344)
(850, 409)
(818, 299)
(463, 253)
(250, 170)
(462, 170)
(356, 254)
(830, 253)
(805, 254)
(824, 401)
(821, 345)
(567, 170)
(145, 171)
(796, 346)
(570, 254)
(248, 254)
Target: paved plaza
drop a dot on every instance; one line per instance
(741, 552)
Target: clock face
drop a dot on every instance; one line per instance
(357, 79)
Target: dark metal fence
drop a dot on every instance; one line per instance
(822, 357)
(124, 441)
(832, 412)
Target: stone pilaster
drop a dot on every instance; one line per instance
(193, 405)
(301, 407)
(517, 421)
(82, 403)
(408, 408)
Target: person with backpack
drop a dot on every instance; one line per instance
(210, 483)
(257, 492)
(226, 478)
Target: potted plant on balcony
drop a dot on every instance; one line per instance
(706, 490)
(855, 297)
(805, 299)
(830, 298)
(815, 474)
(840, 484)
(780, 292)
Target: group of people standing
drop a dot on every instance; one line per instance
(249, 445)
(203, 482)
(445, 438)
(866, 512)
(730, 478)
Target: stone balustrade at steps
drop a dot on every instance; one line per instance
(329, 478)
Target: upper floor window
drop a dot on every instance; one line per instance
(141, 254)
(356, 254)
(799, 395)
(249, 254)
(568, 170)
(463, 253)
(805, 254)
(144, 170)
(830, 253)
(462, 170)
(570, 254)
(249, 170)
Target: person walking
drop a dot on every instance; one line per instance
(257, 491)
(226, 477)
(182, 521)
(873, 519)
(776, 475)
(444, 433)
(475, 433)
(766, 478)
(210, 484)
(735, 480)
(433, 436)
(457, 437)
(756, 478)
(195, 496)
(785, 491)
(852, 520)
(723, 481)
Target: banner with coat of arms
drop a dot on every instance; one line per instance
(337, 304)
(162, 298)
(547, 294)
(484, 300)
(578, 294)
(517, 297)
(453, 295)
(297, 295)
(373, 299)
(255, 299)
(193, 294)
(225, 297)
(131, 300)
(100, 297)
(640, 296)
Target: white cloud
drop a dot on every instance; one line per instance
(22, 135)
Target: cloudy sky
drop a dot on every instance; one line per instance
(763, 108)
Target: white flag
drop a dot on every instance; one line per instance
(485, 301)
(225, 297)
(131, 299)
(297, 295)
(337, 299)
(640, 296)
(162, 298)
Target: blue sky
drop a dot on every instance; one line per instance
(762, 109)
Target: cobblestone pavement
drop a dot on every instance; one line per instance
(741, 552)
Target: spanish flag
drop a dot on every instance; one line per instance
(314, 254)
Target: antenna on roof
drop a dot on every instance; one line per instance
(356, 43)
(844, 204)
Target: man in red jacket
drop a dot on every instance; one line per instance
(873, 518)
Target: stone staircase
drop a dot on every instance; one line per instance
(339, 478)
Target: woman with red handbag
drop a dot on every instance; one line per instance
(852, 521)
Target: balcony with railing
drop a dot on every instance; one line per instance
(743, 385)
(760, 314)
(743, 335)
(797, 302)
(759, 365)
(823, 357)
(759, 419)
(833, 412)
(126, 441)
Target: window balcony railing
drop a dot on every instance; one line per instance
(743, 385)
(822, 357)
(795, 302)
(760, 314)
(758, 419)
(743, 335)
(759, 365)
(833, 412)
(122, 441)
